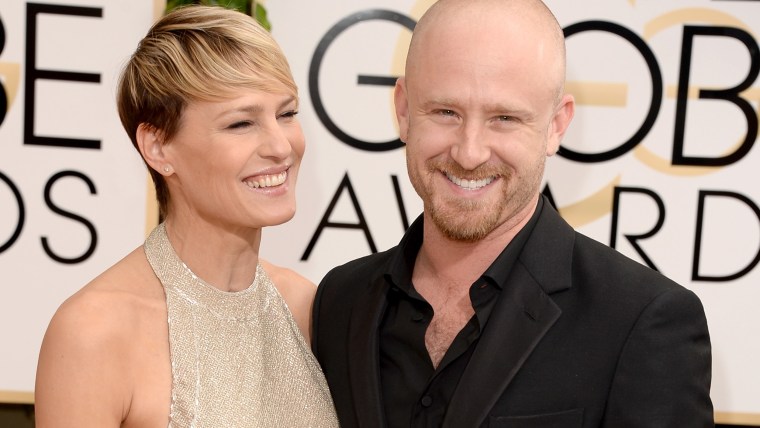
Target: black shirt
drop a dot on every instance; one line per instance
(415, 394)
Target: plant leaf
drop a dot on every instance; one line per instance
(249, 7)
(260, 13)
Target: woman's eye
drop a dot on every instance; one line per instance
(240, 125)
(289, 114)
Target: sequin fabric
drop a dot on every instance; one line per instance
(238, 358)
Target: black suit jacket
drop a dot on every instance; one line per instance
(581, 337)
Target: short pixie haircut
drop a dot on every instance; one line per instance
(196, 53)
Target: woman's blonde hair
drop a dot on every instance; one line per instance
(195, 53)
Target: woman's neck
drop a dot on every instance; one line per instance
(224, 257)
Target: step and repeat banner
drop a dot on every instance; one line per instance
(72, 188)
(660, 161)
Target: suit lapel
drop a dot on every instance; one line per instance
(520, 319)
(518, 322)
(363, 348)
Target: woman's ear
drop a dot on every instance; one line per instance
(150, 142)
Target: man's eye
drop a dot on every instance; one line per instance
(447, 113)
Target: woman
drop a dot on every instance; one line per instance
(192, 328)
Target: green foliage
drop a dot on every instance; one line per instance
(250, 7)
(260, 13)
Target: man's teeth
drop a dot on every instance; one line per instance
(268, 181)
(470, 184)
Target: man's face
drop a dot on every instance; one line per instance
(479, 120)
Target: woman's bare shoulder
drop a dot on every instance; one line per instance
(127, 289)
(106, 313)
(87, 356)
(288, 277)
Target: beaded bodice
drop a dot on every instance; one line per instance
(238, 358)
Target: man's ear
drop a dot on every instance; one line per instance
(402, 108)
(150, 143)
(563, 115)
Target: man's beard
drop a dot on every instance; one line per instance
(472, 220)
(465, 221)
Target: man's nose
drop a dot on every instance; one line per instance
(471, 149)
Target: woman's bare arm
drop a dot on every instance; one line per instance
(82, 373)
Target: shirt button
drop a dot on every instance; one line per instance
(418, 316)
(426, 401)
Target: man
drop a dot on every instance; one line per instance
(492, 311)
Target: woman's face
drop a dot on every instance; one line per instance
(236, 160)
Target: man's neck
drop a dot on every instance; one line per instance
(463, 262)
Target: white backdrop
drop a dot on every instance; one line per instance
(66, 212)
(668, 176)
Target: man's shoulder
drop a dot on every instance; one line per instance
(606, 266)
(357, 274)
(373, 263)
(557, 252)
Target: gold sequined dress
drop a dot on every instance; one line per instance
(238, 358)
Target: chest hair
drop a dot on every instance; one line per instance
(452, 309)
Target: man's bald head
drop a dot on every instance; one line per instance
(499, 24)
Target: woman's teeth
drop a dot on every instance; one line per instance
(267, 180)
